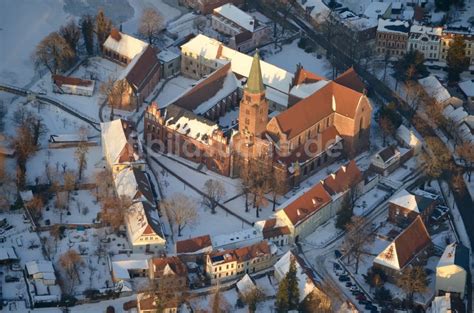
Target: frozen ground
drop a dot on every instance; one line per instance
(291, 55)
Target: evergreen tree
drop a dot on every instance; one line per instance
(410, 66)
(103, 28)
(282, 299)
(456, 60)
(87, 28)
(293, 288)
(345, 214)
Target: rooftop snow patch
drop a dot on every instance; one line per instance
(125, 45)
(236, 15)
(434, 89)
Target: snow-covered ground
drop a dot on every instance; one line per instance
(291, 55)
(174, 89)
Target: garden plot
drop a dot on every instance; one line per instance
(83, 208)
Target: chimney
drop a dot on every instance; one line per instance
(115, 34)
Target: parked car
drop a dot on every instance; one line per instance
(361, 297)
(370, 307)
(11, 279)
(337, 266)
(356, 292)
(344, 278)
(15, 267)
(337, 254)
(348, 284)
(354, 288)
(364, 302)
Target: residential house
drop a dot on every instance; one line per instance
(238, 239)
(304, 212)
(426, 40)
(274, 231)
(146, 303)
(404, 207)
(133, 184)
(467, 88)
(386, 160)
(169, 273)
(407, 138)
(194, 249)
(452, 270)
(142, 67)
(144, 229)
(245, 31)
(128, 266)
(72, 85)
(376, 10)
(449, 33)
(207, 6)
(307, 281)
(245, 285)
(392, 37)
(121, 146)
(230, 264)
(447, 303)
(41, 270)
(407, 248)
(170, 63)
(438, 92)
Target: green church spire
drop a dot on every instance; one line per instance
(255, 80)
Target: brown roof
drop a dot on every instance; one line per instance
(60, 80)
(115, 34)
(419, 13)
(144, 68)
(176, 265)
(300, 154)
(148, 303)
(205, 89)
(343, 179)
(193, 245)
(411, 241)
(387, 153)
(242, 254)
(307, 204)
(303, 76)
(270, 231)
(351, 80)
(318, 106)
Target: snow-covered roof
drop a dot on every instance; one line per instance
(317, 9)
(189, 124)
(7, 253)
(125, 45)
(40, 266)
(237, 239)
(208, 48)
(406, 200)
(306, 283)
(467, 87)
(236, 15)
(393, 26)
(422, 29)
(457, 115)
(122, 263)
(246, 284)
(167, 56)
(408, 136)
(441, 304)
(455, 254)
(434, 89)
(376, 9)
(130, 181)
(68, 138)
(143, 220)
(305, 90)
(114, 139)
(26, 195)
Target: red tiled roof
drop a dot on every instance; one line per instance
(60, 80)
(343, 179)
(270, 231)
(143, 70)
(307, 204)
(193, 245)
(318, 106)
(411, 241)
(351, 80)
(245, 253)
(174, 263)
(303, 76)
(300, 154)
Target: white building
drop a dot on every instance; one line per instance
(452, 269)
(425, 39)
(408, 139)
(41, 270)
(467, 87)
(245, 237)
(386, 160)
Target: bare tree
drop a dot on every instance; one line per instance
(23, 144)
(69, 178)
(114, 91)
(71, 261)
(53, 52)
(214, 192)
(181, 210)
(387, 128)
(466, 154)
(358, 237)
(151, 24)
(81, 154)
(71, 34)
(114, 210)
(252, 297)
(104, 184)
(35, 207)
(412, 280)
(55, 232)
(278, 185)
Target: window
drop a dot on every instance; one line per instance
(247, 121)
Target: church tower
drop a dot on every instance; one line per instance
(253, 115)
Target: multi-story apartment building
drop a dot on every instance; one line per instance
(392, 37)
(425, 39)
(229, 264)
(448, 36)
